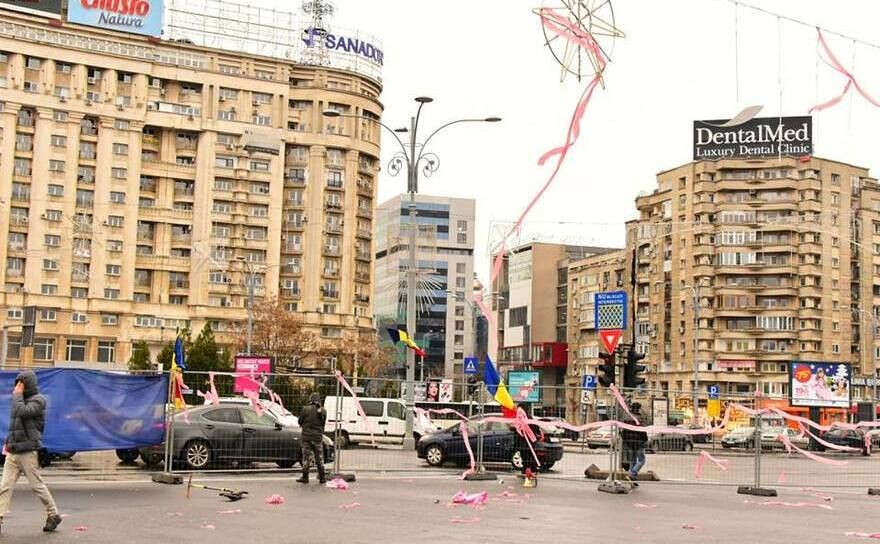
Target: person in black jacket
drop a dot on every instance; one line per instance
(312, 420)
(23, 442)
(634, 442)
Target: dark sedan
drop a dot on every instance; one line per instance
(232, 433)
(501, 444)
(669, 442)
(853, 438)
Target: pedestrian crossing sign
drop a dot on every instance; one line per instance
(471, 366)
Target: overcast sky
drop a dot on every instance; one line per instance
(676, 64)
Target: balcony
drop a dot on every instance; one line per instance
(181, 238)
(361, 299)
(362, 277)
(290, 293)
(331, 250)
(159, 168)
(329, 294)
(331, 273)
(187, 144)
(334, 185)
(294, 181)
(292, 248)
(364, 188)
(291, 270)
(145, 236)
(363, 255)
(333, 228)
(333, 204)
(22, 196)
(364, 212)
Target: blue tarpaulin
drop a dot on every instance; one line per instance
(88, 410)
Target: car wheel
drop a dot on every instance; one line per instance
(128, 456)
(151, 459)
(64, 455)
(197, 454)
(343, 442)
(288, 463)
(688, 446)
(516, 459)
(434, 455)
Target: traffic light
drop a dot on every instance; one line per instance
(472, 385)
(632, 370)
(607, 369)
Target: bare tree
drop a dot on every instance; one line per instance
(279, 334)
(371, 355)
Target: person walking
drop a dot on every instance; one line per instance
(312, 421)
(634, 443)
(27, 421)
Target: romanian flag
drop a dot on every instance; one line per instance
(497, 389)
(400, 335)
(178, 365)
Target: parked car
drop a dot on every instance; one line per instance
(231, 433)
(500, 445)
(742, 437)
(565, 433)
(770, 438)
(669, 442)
(853, 438)
(280, 413)
(599, 438)
(705, 438)
(385, 421)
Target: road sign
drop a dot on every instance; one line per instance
(714, 391)
(610, 310)
(588, 381)
(714, 408)
(610, 338)
(471, 365)
(585, 396)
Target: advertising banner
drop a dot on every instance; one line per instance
(524, 385)
(247, 366)
(135, 16)
(446, 391)
(819, 384)
(46, 8)
(760, 137)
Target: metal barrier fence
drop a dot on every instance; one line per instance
(746, 451)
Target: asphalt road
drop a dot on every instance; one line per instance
(413, 508)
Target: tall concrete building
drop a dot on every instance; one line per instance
(444, 286)
(531, 304)
(781, 256)
(144, 181)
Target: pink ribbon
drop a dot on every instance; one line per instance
(521, 424)
(829, 445)
(851, 80)
(622, 402)
(255, 401)
(722, 464)
(211, 396)
(476, 499)
(810, 455)
(464, 435)
(357, 404)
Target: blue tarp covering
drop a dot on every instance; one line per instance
(91, 410)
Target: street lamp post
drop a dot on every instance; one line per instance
(696, 298)
(408, 158)
(250, 308)
(873, 316)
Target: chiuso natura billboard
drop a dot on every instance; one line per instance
(135, 16)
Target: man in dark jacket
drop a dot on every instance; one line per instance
(23, 442)
(634, 442)
(312, 420)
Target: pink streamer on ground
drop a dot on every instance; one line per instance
(459, 521)
(351, 506)
(80, 528)
(338, 484)
(645, 506)
(275, 500)
(862, 535)
(851, 83)
(704, 456)
(790, 504)
(475, 499)
(357, 403)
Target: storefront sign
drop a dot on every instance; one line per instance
(46, 8)
(135, 16)
(762, 137)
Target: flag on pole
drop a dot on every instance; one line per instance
(178, 365)
(400, 335)
(497, 389)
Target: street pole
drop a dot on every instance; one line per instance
(250, 313)
(874, 366)
(412, 174)
(695, 393)
(4, 347)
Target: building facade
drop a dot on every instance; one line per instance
(444, 285)
(781, 255)
(146, 182)
(532, 314)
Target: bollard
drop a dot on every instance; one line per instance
(756, 489)
(337, 433)
(480, 474)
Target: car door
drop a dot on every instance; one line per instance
(499, 441)
(455, 449)
(223, 430)
(376, 423)
(395, 415)
(263, 439)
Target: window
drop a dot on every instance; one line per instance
(517, 317)
(14, 313)
(32, 63)
(13, 348)
(79, 317)
(262, 98)
(224, 162)
(111, 294)
(52, 240)
(79, 292)
(76, 350)
(106, 352)
(59, 115)
(835, 348)
(461, 238)
(121, 124)
(109, 319)
(114, 245)
(48, 314)
(114, 269)
(50, 265)
(222, 184)
(331, 332)
(223, 415)
(117, 197)
(49, 289)
(260, 166)
(228, 94)
(119, 173)
(373, 408)
(226, 115)
(59, 141)
(44, 349)
(115, 220)
(262, 120)
(221, 206)
(396, 410)
(120, 149)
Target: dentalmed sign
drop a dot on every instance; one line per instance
(757, 138)
(135, 16)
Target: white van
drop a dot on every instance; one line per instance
(386, 420)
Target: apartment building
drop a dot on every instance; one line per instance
(444, 284)
(782, 257)
(146, 182)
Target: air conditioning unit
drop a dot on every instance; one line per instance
(120, 107)
(230, 146)
(44, 216)
(256, 102)
(92, 80)
(228, 280)
(222, 99)
(151, 106)
(62, 98)
(228, 304)
(88, 102)
(161, 92)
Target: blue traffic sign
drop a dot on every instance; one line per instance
(471, 365)
(588, 381)
(609, 310)
(714, 391)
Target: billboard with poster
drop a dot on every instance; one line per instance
(524, 385)
(819, 384)
(446, 391)
(247, 366)
(135, 16)
(432, 390)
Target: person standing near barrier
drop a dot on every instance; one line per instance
(635, 443)
(312, 421)
(23, 443)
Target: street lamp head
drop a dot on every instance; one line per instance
(330, 113)
(492, 119)
(401, 129)
(424, 99)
